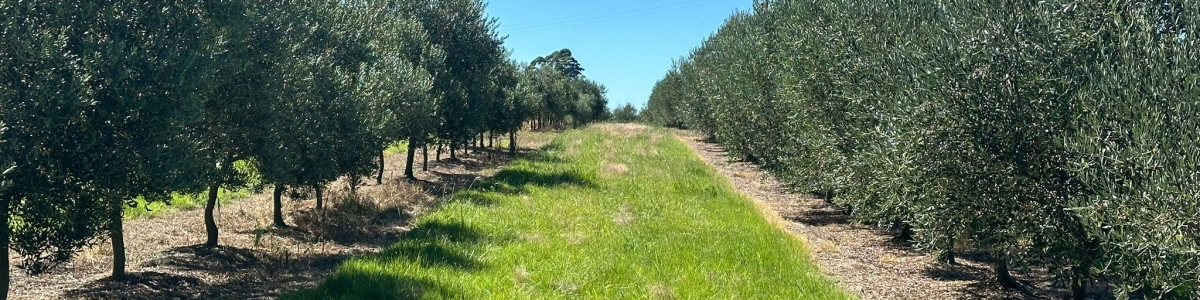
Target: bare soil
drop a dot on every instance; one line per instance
(865, 261)
(167, 260)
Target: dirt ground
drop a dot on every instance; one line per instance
(256, 260)
(865, 261)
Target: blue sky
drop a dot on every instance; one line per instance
(627, 45)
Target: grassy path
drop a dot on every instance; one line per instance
(609, 212)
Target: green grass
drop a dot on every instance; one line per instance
(570, 222)
(188, 201)
(400, 147)
(182, 202)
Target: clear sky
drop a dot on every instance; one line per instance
(627, 45)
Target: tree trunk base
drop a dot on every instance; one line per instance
(210, 220)
(116, 234)
(1003, 275)
(5, 279)
(947, 257)
(278, 210)
(320, 201)
(379, 177)
(408, 163)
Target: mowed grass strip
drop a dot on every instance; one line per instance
(608, 212)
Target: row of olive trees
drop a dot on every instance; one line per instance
(1055, 134)
(567, 98)
(105, 101)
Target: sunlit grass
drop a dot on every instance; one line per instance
(190, 201)
(182, 202)
(400, 147)
(598, 214)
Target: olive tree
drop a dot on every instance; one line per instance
(119, 82)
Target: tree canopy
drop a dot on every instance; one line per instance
(1045, 134)
(103, 102)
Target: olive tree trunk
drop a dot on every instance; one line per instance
(425, 157)
(210, 221)
(116, 233)
(408, 164)
(278, 195)
(1003, 275)
(4, 243)
(379, 176)
(320, 201)
(1079, 283)
(512, 142)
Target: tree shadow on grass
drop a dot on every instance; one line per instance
(452, 232)
(438, 244)
(430, 255)
(508, 181)
(431, 244)
(353, 284)
(447, 183)
(518, 181)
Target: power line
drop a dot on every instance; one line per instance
(606, 19)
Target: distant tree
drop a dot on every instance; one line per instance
(663, 107)
(562, 61)
(626, 113)
(564, 93)
(554, 96)
(591, 103)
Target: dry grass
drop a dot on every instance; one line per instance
(257, 261)
(615, 169)
(662, 292)
(624, 215)
(623, 130)
(521, 275)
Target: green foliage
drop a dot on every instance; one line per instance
(115, 109)
(560, 99)
(563, 224)
(246, 173)
(472, 50)
(141, 208)
(1052, 134)
(397, 148)
(104, 106)
(562, 61)
(625, 114)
